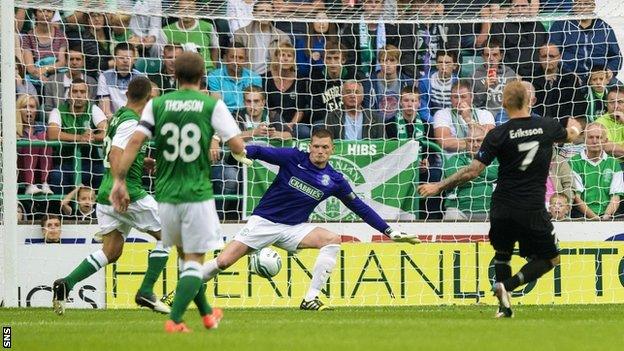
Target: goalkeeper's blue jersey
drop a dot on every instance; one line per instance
(299, 186)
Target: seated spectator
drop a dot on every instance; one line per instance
(353, 121)
(228, 81)
(502, 117)
(32, 159)
(254, 120)
(194, 35)
(366, 39)
(145, 27)
(113, 83)
(520, 40)
(598, 177)
(559, 179)
(22, 86)
(388, 82)
(51, 229)
(470, 201)
(165, 80)
(240, 13)
(44, 48)
(260, 37)
(558, 93)
(311, 46)
(596, 93)
(435, 89)
(559, 207)
(79, 204)
(419, 42)
(587, 42)
(77, 120)
(56, 89)
(451, 126)
(490, 79)
(327, 81)
(613, 121)
(406, 123)
(94, 40)
(287, 94)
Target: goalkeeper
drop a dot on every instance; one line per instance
(281, 218)
(142, 213)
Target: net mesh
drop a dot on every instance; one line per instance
(298, 65)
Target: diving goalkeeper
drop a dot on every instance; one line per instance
(281, 218)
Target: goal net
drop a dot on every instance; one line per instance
(408, 89)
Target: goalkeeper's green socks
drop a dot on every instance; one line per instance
(188, 286)
(202, 303)
(156, 262)
(93, 263)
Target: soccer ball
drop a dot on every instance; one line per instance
(265, 262)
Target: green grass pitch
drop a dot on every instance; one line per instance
(574, 327)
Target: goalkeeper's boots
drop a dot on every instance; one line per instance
(151, 301)
(504, 301)
(60, 293)
(173, 327)
(313, 305)
(211, 321)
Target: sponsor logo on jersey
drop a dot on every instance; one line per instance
(306, 188)
(521, 133)
(184, 105)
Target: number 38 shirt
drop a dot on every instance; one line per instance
(523, 147)
(182, 124)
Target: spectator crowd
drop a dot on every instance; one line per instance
(369, 78)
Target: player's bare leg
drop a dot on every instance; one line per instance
(156, 261)
(328, 244)
(110, 252)
(230, 255)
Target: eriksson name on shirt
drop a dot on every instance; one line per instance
(520, 133)
(184, 105)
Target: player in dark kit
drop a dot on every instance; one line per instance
(523, 147)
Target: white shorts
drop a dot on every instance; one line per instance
(141, 214)
(194, 226)
(260, 232)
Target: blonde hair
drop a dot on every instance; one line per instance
(389, 51)
(515, 96)
(20, 105)
(276, 54)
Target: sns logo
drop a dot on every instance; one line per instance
(6, 337)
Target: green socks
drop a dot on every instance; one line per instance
(93, 263)
(188, 286)
(156, 262)
(202, 303)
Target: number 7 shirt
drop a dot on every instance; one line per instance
(523, 147)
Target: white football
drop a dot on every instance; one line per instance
(265, 262)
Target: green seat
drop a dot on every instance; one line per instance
(148, 65)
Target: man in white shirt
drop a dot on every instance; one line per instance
(113, 83)
(451, 126)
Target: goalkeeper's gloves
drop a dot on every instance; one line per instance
(400, 237)
(242, 158)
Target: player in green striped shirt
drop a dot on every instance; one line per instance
(182, 125)
(142, 212)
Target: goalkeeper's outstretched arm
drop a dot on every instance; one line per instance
(272, 155)
(368, 215)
